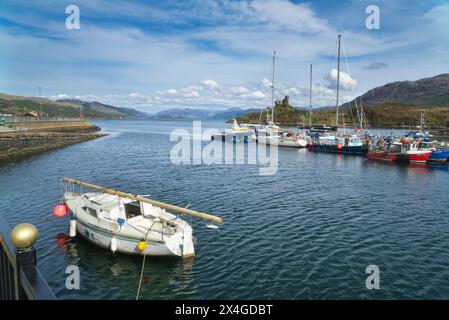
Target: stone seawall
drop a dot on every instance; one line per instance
(16, 144)
(55, 126)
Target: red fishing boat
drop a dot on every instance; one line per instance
(405, 150)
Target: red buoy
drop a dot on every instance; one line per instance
(310, 143)
(339, 146)
(60, 210)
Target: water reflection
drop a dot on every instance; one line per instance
(164, 277)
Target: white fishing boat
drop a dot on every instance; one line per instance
(275, 136)
(131, 224)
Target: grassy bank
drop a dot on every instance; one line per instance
(388, 115)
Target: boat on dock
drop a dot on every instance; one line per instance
(131, 224)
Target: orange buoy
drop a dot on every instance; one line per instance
(60, 210)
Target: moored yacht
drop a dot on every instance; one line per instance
(131, 224)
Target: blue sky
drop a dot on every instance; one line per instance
(154, 55)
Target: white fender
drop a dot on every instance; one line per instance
(114, 244)
(72, 229)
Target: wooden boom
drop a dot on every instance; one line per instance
(150, 201)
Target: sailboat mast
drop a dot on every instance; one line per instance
(338, 75)
(310, 98)
(272, 90)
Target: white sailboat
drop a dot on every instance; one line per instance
(131, 224)
(272, 134)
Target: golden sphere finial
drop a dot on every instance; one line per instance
(24, 235)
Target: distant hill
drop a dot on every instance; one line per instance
(200, 114)
(95, 107)
(18, 105)
(392, 105)
(427, 92)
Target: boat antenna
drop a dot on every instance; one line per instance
(310, 99)
(272, 90)
(338, 76)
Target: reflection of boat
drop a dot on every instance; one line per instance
(131, 224)
(235, 134)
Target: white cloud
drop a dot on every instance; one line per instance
(191, 94)
(296, 17)
(212, 84)
(346, 82)
(172, 92)
(252, 95)
(266, 83)
(256, 95)
(238, 90)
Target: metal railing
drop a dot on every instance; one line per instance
(20, 278)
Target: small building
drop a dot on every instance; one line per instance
(31, 114)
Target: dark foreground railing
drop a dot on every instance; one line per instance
(20, 278)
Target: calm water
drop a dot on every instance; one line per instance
(307, 232)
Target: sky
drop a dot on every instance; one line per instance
(157, 55)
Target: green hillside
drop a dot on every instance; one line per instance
(385, 115)
(17, 105)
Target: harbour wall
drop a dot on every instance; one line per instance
(54, 126)
(15, 144)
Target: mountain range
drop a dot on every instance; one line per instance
(18, 105)
(201, 114)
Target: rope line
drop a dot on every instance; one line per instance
(141, 277)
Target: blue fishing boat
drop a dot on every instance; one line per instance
(439, 155)
(351, 144)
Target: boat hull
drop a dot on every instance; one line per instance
(420, 157)
(415, 157)
(282, 142)
(356, 150)
(439, 156)
(234, 137)
(125, 245)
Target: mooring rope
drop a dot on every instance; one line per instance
(141, 277)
